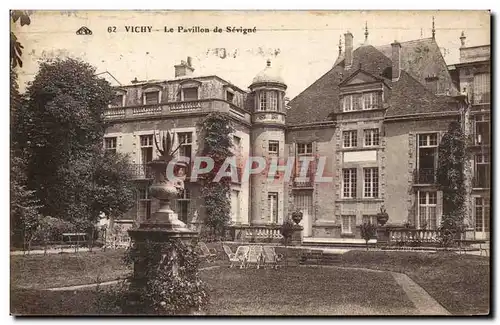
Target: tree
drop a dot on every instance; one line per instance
(287, 229)
(451, 178)
(368, 231)
(62, 128)
(16, 49)
(216, 130)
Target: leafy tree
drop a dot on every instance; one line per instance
(368, 231)
(451, 178)
(16, 49)
(286, 230)
(216, 130)
(62, 128)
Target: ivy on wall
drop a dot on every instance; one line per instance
(216, 132)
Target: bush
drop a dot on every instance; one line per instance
(368, 231)
(167, 290)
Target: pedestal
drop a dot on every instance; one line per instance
(297, 235)
(163, 227)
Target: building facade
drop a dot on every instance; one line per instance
(376, 119)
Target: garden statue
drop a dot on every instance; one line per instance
(297, 216)
(382, 216)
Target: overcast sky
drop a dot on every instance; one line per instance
(303, 44)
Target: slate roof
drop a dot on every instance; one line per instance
(408, 95)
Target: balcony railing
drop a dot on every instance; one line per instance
(203, 105)
(424, 176)
(406, 236)
(141, 171)
(255, 233)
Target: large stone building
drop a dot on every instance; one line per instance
(472, 76)
(377, 116)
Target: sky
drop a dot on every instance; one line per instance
(303, 45)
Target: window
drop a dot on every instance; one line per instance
(481, 88)
(482, 171)
(348, 224)
(482, 214)
(481, 129)
(274, 147)
(110, 144)
(229, 96)
(272, 201)
(370, 219)
(273, 101)
(117, 101)
(350, 139)
(349, 182)
(262, 101)
(151, 97)
(183, 201)
(304, 148)
(190, 93)
(146, 148)
(235, 205)
(237, 144)
(370, 182)
(371, 100)
(347, 103)
(144, 203)
(427, 217)
(372, 137)
(427, 156)
(186, 142)
(364, 101)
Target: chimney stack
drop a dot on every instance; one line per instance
(185, 69)
(396, 60)
(348, 50)
(462, 39)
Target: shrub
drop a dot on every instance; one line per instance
(368, 231)
(168, 288)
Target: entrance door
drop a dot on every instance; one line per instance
(303, 202)
(482, 217)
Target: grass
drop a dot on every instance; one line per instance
(57, 270)
(303, 291)
(461, 283)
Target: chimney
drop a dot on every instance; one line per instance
(185, 69)
(462, 39)
(348, 50)
(396, 60)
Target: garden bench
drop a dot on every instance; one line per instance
(270, 256)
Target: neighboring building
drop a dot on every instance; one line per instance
(472, 77)
(377, 116)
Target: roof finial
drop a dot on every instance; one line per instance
(340, 45)
(433, 29)
(462, 39)
(268, 62)
(366, 32)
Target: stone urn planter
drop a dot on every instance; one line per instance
(297, 217)
(382, 216)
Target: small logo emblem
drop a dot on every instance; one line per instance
(84, 31)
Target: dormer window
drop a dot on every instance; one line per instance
(361, 101)
(229, 96)
(190, 93)
(151, 97)
(118, 100)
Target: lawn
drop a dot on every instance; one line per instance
(304, 291)
(461, 283)
(57, 270)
